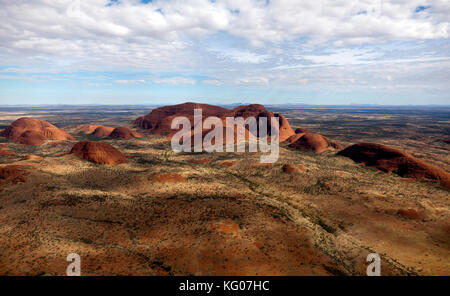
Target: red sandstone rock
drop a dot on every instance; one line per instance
(160, 119)
(388, 159)
(311, 142)
(30, 131)
(97, 152)
(123, 133)
(102, 131)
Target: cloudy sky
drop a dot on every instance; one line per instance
(224, 51)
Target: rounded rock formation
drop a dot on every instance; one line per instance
(388, 159)
(102, 131)
(88, 128)
(123, 133)
(311, 142)
(159, 120)
(98, 152)
(31, 131)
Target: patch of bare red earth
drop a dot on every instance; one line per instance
(292, 168)
(198, 161)
(388, 159)
(167, 178)
(98, 152)
(12, 174)
(228, 163)
(31, 131)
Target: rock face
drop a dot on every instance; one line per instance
(388, 159)
(97, 152)
(311, 142)
(160, 119)
(257, 111)
(102, 131)
(301, 130)
(31, 131)
(123, 133)
(88, 128)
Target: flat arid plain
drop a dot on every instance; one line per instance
(157, 212)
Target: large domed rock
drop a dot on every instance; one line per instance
(123, 133)
(388, 159)
(160, 119)
(31, 131)
(102, 131)
(311, 142)
(88, 128)
(98, 152)
(257, 111)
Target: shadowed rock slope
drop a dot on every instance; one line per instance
(97, 152)
(388, 159)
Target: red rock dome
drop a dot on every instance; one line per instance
(31, 131)
(388, 159)
(98, 152)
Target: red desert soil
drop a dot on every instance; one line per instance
(123, 133)
(88, 128)
(388, 159)
(102, 131)
(167, 178)
(12, 174)
(31, 131)
(228, 163)
(227, 227)
(97, 152)
(290, 168)
(205, 160)
(311, 142)
(409, 214)
(159, 120)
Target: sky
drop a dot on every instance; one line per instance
(324, 52)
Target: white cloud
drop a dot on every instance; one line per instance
(175, 81)
(240, 56)
(213, 82)
(281, 43)
(252, 81)
(129, 81)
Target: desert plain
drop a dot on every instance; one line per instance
(166, 213)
